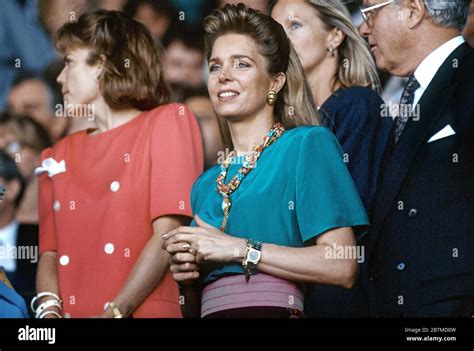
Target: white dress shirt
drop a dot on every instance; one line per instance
(8, 240)
(430, 65)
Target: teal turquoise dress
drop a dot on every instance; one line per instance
(299, 189)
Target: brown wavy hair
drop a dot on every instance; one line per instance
(132, 75)
(295, 105)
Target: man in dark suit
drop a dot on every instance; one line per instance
(18, 242)
(420, 249)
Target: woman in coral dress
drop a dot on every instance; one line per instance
(108, 194)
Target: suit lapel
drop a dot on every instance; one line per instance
(432, 107)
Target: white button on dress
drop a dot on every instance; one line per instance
(109, 248)
(64, 260)
(115, 186)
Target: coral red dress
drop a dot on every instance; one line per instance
(98, 213)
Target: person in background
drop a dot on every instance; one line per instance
(201, 106)
(344, 83)
(284, 198)
(23, 43)
(31, 96)
(23, 238)
(183, 58)
(420, 247)
(11, 304)
(259, 5)
(183, 68)
(193, 12)
(112, 5)
(157, 16)
(118, 187)
(52, 14)
(23, 139)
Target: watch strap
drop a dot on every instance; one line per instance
(247, 265)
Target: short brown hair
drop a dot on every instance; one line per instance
(132, 75)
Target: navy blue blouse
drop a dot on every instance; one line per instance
(354, 116)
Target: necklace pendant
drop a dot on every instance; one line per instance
(226, 203)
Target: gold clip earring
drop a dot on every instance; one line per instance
(272, 97)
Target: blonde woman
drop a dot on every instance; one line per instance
(344, 83)
(268, 219)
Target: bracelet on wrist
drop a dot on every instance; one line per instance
(45, 313)
(43, 294)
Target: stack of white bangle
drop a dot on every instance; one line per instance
(41, 311)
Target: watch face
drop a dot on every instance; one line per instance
(254, 256)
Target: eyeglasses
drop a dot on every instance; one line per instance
(367, 13)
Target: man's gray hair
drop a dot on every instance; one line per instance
(447, 13)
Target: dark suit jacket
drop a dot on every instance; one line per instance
(421, 245)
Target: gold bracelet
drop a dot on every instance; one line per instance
(115, 310)
(247, 272)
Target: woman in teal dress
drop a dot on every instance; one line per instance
(281, 209)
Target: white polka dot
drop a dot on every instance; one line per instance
(109, 248)
(106, 305)
(67, 315)
(64, 260)
(56, 205)
(115, 186)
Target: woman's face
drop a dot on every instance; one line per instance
(238, 80)
(305, 31)
(79, 81)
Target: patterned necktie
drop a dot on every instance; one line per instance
(406, 106)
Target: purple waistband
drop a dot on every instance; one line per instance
(262, 290)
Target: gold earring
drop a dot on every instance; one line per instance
(272, 97)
